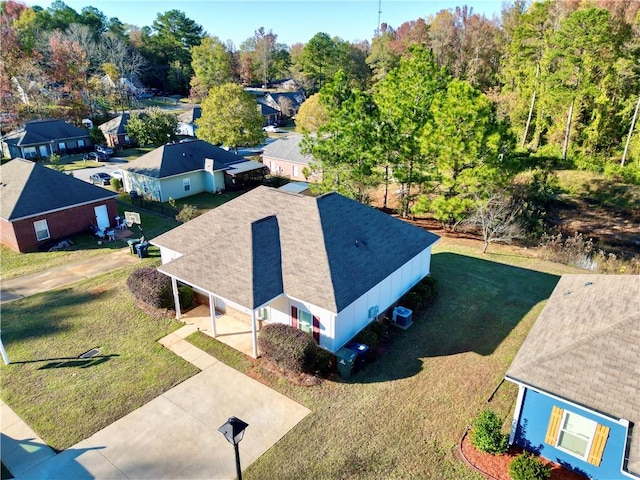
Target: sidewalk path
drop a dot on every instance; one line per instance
(173, 436)
(58, 277)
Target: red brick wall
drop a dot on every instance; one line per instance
(62, 224)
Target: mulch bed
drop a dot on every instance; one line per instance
(497, 466)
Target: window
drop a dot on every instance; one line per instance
(186, 183)
(42, 230)
(577, 435)
(80, 143)
(305, 322)
(62, 146)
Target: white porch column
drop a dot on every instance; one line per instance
(516, 414)
(176, 297)
(254, 334)
(212, 312)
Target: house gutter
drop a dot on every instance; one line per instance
(620, 421)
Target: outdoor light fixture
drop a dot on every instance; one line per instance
(233, 431)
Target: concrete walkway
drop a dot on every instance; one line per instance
(173, 436)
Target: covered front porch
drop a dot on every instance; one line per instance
(229, 330)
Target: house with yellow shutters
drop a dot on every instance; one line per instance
(578, 373)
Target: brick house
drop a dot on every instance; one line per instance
(39, 205)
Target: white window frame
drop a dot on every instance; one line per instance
(37, 225)
(589, 437)
(305, 322)
(186, 184)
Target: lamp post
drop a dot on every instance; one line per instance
(233, 431)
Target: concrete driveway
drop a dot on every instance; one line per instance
(175, 435)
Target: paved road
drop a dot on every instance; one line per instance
(113, 164)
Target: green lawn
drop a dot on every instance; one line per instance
(66, 399)
(207, 201)
(402, 416)
(14, 264)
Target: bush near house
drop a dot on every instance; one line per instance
(186, 295)
(288, 348)
(527, 466)
(151, 287)
(487, 435)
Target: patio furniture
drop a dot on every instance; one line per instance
(111, 234)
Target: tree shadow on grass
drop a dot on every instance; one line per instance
(42, 315)
(477, 305)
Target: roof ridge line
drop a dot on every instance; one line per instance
(581, 341)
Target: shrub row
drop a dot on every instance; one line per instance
(150, 286)
(420, 295)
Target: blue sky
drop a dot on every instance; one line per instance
(292, 20)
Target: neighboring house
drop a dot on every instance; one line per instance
(41, 138)
(327, 265)
(115, 131)
(39, 205)
(182, 169)
(187, 122)
(288, 102)
(270, 114)
(284, 159)
(578, 373)
(277, 106)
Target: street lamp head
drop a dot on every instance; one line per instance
(233, 430)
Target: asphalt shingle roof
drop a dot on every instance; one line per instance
(116, 126)
(38, 132)
(182, 157)
(330, 250)
(27, 189)
(585, 347)
(287, 148)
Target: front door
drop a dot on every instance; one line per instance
(102, 217)
(43, 151)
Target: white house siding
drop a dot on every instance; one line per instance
(355, 317)
(325, 317)
(167, 255)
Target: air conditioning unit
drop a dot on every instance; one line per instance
(402, 316)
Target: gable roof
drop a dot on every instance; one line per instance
(323, 259)
(585, 347)
(28, 188)
(182, 157)
(287, 148)
(266, 109)
(115, 126)
(191, 115)
(38, 132)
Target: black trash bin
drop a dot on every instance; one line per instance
(361, 349)
(142, 249)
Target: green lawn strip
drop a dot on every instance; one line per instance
(403, 415)
(66, 399)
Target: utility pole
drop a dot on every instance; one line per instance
(379, 12)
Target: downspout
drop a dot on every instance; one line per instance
(212, 314)
(176, 297)
(254, 333)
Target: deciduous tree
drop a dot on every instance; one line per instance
(154, 127)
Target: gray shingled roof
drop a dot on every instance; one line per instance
(286, 148)
(585, 347)
(27, 188)
(331, 249)
(266, 109)
(182, 157)
(44, 131)
(116, 126)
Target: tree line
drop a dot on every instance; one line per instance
(564, 75)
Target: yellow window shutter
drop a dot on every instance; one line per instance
(554, 426)
(597, 446)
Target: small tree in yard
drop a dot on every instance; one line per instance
(188, 212)
(487, 435)
(497, 219)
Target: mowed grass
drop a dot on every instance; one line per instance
(404, 415)
(66, 399)
(85, 247)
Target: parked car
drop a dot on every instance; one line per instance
(106, 150)
(100, 178)
(97, 156)
(117, 174)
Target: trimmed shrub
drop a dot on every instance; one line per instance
(368, 337)
(150, 286)
(287, 347)
(412, 301)
(324, 362)
(186, 295)
(378, 328)
(527, 466)
(487, 435)
(116, 184)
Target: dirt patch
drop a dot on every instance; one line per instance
(497, 466)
